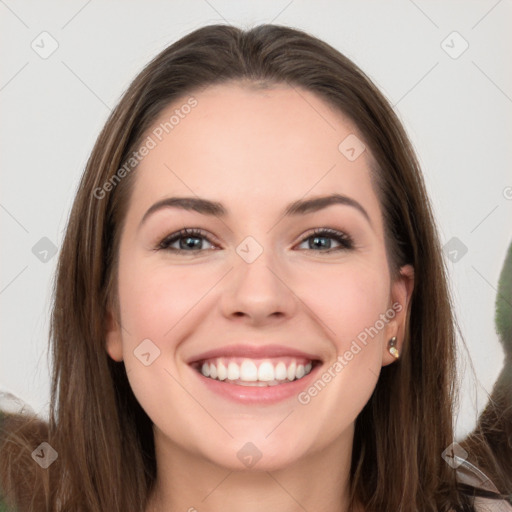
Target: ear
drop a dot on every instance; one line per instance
(401, 291)
(113, 338)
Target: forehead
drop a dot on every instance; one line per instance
(243, 146)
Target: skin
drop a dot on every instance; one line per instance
(255, 152)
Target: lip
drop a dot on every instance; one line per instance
(259, 395)
(253, 352)
(254, 394)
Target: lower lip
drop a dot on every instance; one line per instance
(257, 394)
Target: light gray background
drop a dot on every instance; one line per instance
(457, 112)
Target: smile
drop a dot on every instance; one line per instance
(255, 372)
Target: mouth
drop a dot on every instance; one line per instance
(256, 374)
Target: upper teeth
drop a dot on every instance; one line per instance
(249, 370)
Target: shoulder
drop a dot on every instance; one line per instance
(467, 473)
(490, 505)
(19, 427)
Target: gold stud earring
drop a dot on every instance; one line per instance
(392, 348)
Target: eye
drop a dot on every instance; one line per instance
(322, 238)
(188, 240)
(192, 240)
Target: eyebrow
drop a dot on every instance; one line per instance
(214, 208)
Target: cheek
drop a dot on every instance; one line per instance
(156, 298)
(348, 298)
(157, 304)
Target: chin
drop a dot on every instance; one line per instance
(256, 453)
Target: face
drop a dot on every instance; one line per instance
(261, 329)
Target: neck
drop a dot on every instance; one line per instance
(189, 483)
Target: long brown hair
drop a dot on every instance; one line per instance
(103, 438)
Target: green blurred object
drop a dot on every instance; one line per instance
(503, 318)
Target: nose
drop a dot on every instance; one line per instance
(258, 292)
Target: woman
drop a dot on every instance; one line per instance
(251, 309)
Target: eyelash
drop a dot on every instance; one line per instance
(345, 241)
